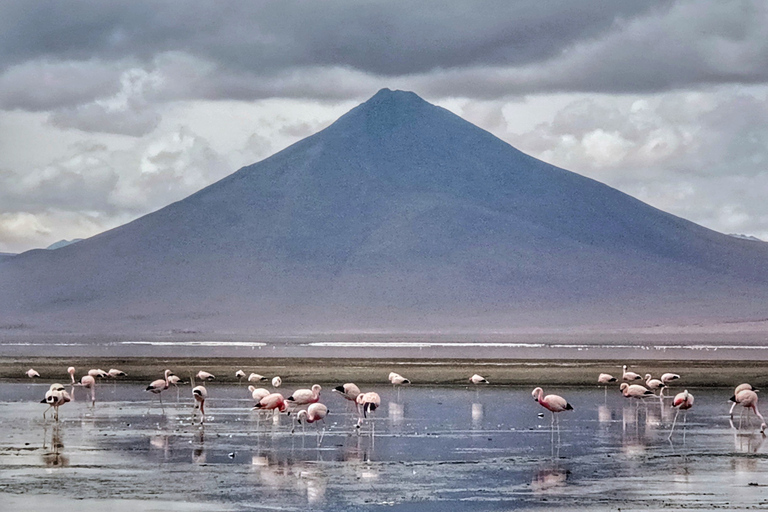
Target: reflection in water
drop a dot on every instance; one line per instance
(548, 478)
(198, 454)
(289, 476)
(746, 442)
(477, 416)
(396, 413)
(53, 458)
(604, 414)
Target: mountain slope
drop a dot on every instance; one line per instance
(400, 215)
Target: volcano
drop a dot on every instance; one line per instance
(399, 216)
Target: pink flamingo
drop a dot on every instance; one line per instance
(629, 376)
(314, 413)
(305, 396)
(158, 386)
(273, 401)
(86, 381)
(115, 373)
(205, 376)
(258, 393)
(367, 403)
(605, 379)
(31, 373)
(478, 379)
(553, 403)
(635, 391)
(653, 383)
(748, 399)
(349, 391)
(200, 394)
(55, 397)
(682, 402)
(740, 388)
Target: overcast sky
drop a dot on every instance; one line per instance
(110, 110)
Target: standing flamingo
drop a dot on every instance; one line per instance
(175, 380)
(553, 403)
(682, 402)
(478, 379)
(255, 377)
(98, 373)
(273, 401)
(605, 379)
(200, 394)
(205, 376)
(740, 388)
(314, 413)
(55, 397)
(86, 381)
(748, 399)
(31, 373)
(158, 386)
(258, 393)
(666, 378)
(634, 391)
(115, 373)
(276, 382)
(629, 376)
(349, 391)
(305, 396)
(240, 374)
(653, 384)
(367, 403)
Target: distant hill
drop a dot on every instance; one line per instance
(745, 237)
(63, 243)
(400, 216)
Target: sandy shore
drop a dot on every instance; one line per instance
(375, 371)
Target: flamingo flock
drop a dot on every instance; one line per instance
(306, 405)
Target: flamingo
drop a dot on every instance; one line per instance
(175, 380)
(682, 402)
(553, 403)
(31, 373)
(276, 382)
(740, 388)
(200, 394)
(397, 380)
(240, 374)
(669, 377)
(629, 376)
(635, 391)
(653, 383)
(305, 396)
(315, 412)
(98, 373)
(258, 393)
(86, 381)
(605, 379)
(115, 373)
(478, 379)
(205, 376)
(748, 399)
(349, 391)
(55, 397)
(273, 401)
(367, 403)
(158, 386)
(255, 377)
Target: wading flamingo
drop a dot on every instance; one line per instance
(349, 391)
(313, 413)
(748, 399)
(669, 377)
(367, 403)
(305, 396)
(200, 394)
(629, 376)
(478, 379)
(158, 386)
(205, 376)
(31, 373)
(634, 390)
(605, 379)
(115, 373)
(258, 393)
(276, 382)
(55, 397)
(240, 374)
(98, 373)
(682, 402)
(553, 403)
(740, 388)
(255, 377)
(86, 381)
(652, 383)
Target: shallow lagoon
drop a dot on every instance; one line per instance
(435, 448)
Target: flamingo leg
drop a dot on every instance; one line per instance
(673, 425)
(685, 420)
(733, 406)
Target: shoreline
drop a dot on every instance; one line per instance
(421, 371)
